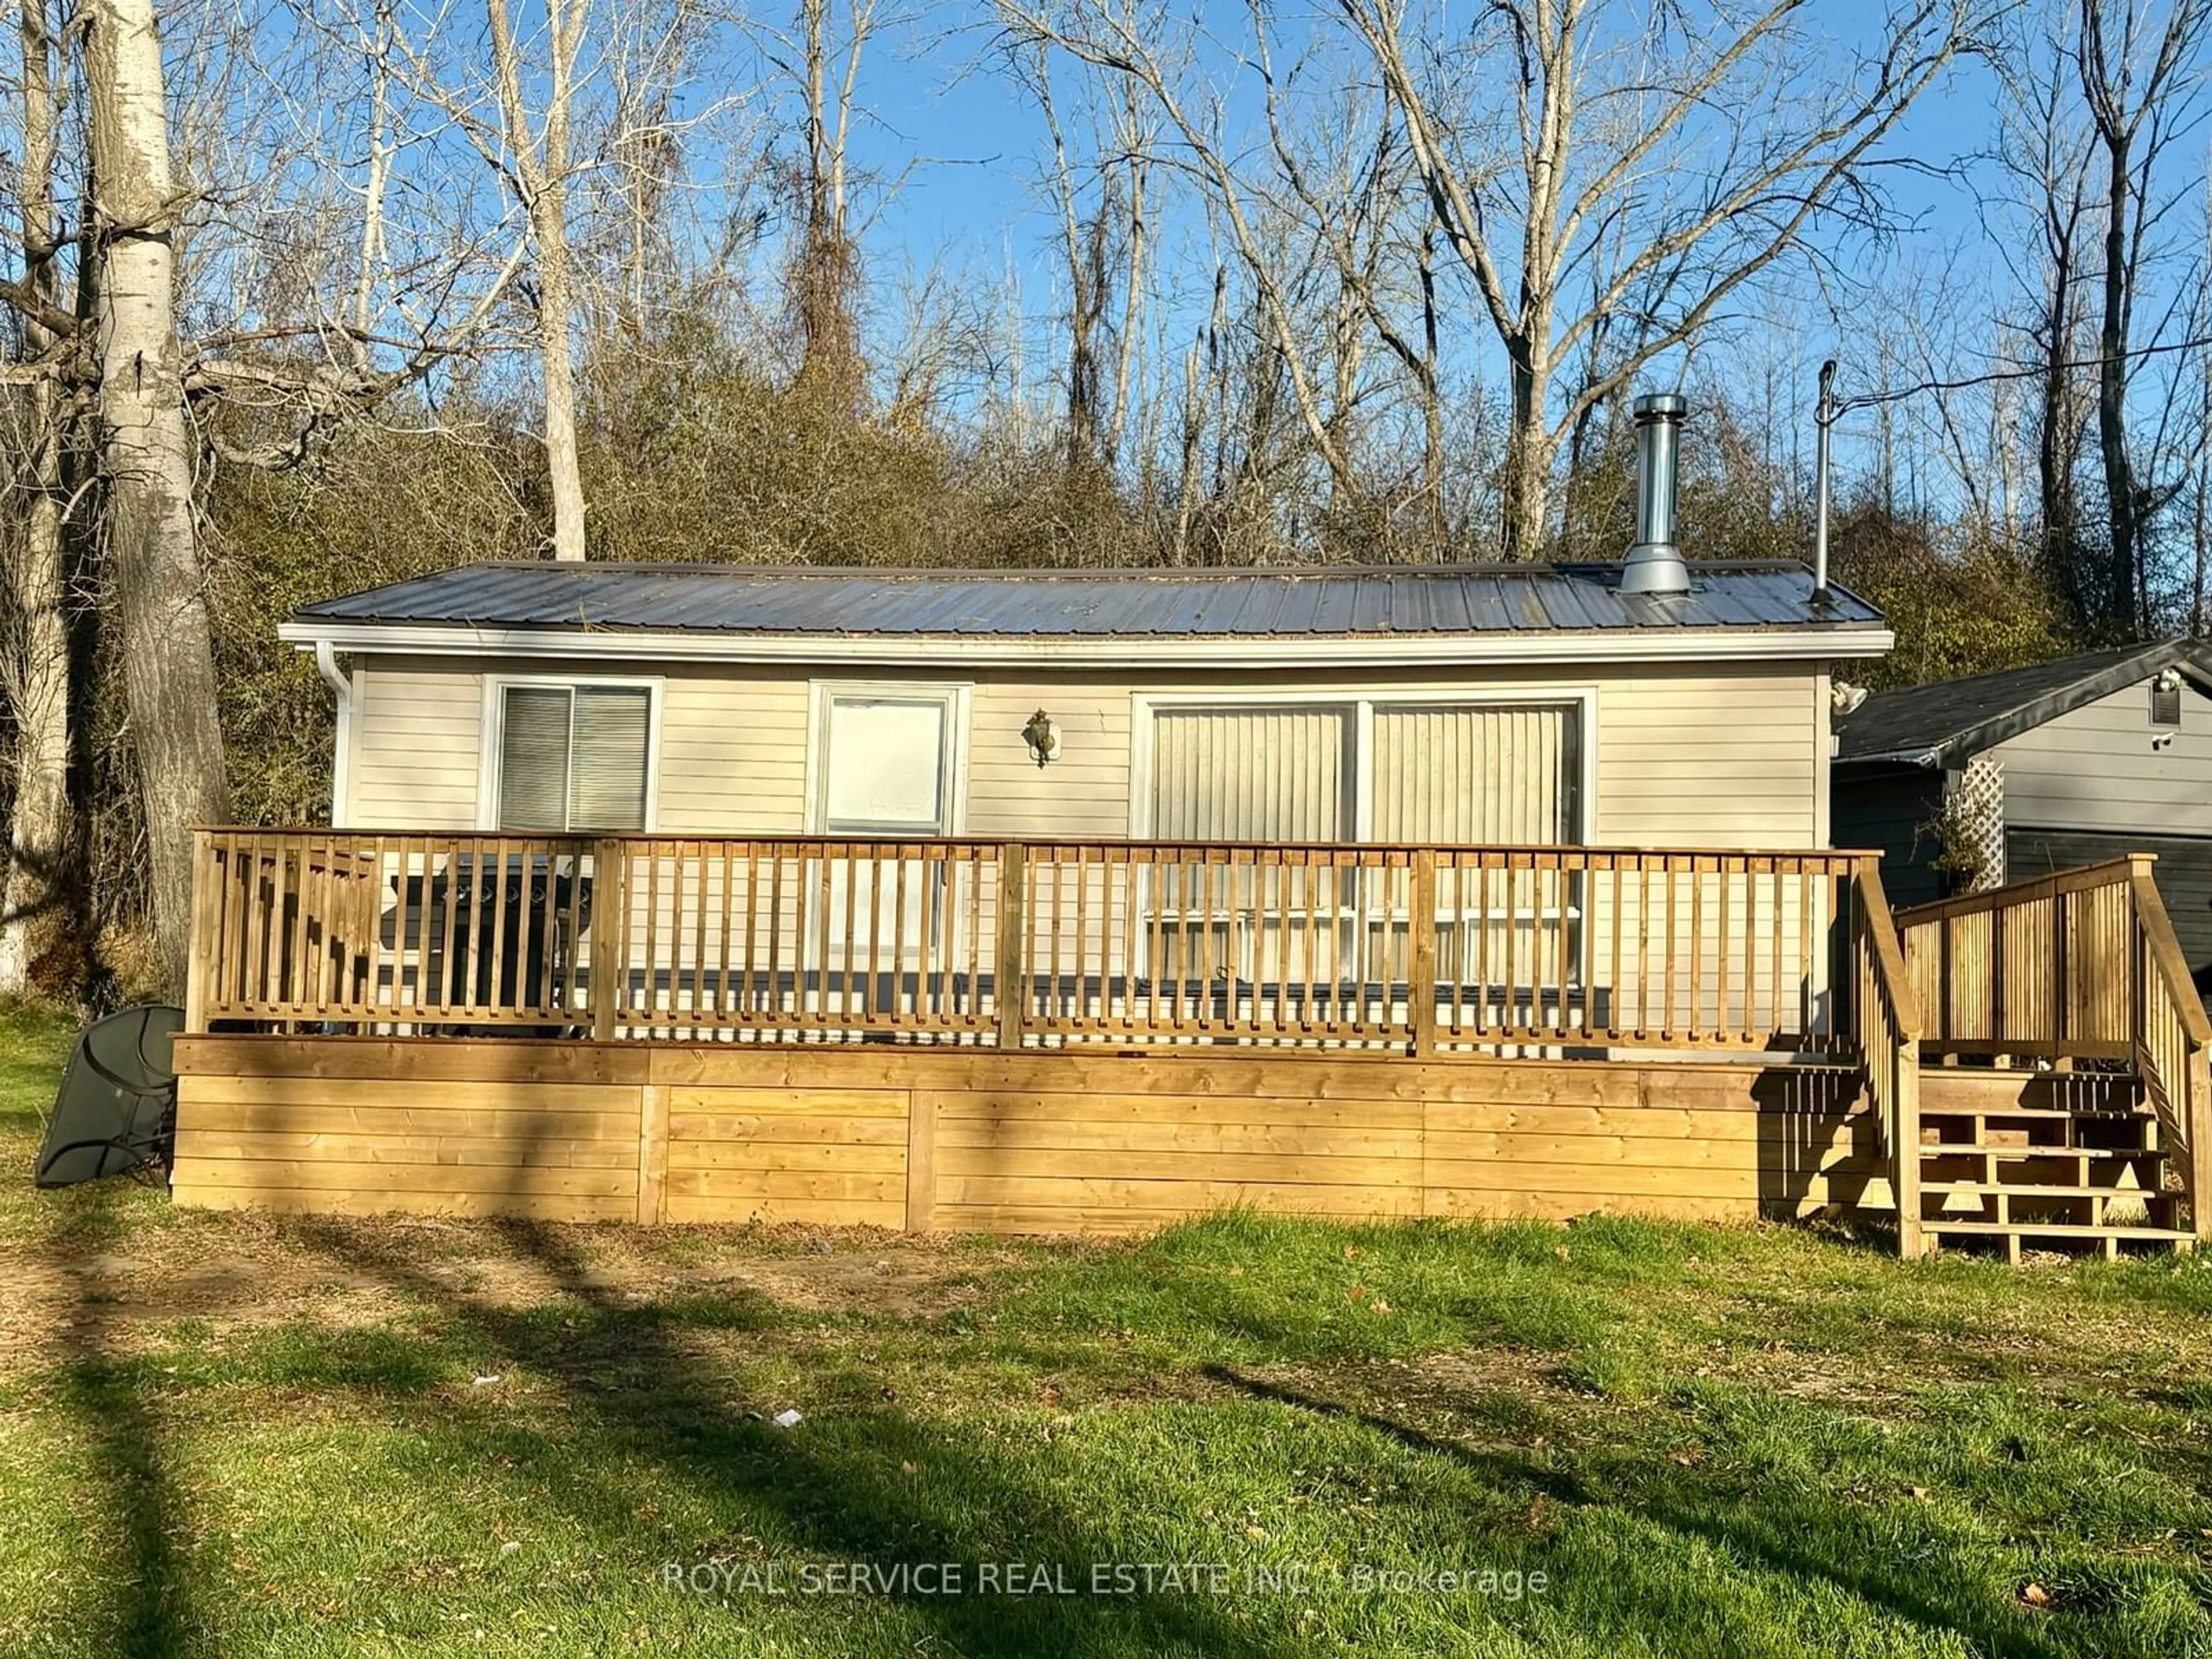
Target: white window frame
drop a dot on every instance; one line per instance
(957, 698)
(494, 722)
(1361, 704)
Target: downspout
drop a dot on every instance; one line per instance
(326, 665)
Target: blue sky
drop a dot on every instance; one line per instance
(967, 146)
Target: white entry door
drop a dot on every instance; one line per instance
(886, 772)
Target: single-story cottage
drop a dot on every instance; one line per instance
(1051, 900)
(1519, 704)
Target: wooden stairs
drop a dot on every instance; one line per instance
(2045, 1159)
(2041, 1065)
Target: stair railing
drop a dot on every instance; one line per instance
(2171, 1038)
(2078, 965)
(1889, 1037)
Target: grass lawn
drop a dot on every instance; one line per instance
(246, 1436)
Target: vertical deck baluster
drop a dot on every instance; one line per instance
(448, 921)
(1805, 910)
(1781, 900)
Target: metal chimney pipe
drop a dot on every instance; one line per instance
(1823, 418)
(1655, 564)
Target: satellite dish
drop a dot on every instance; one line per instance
(116, 1111)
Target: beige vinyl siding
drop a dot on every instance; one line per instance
(417, 731)
(2094, 768)
(1692, 755)
(1711, 757)
(1084, 793)
(733, 753)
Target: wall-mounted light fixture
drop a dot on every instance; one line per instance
(1043, 737)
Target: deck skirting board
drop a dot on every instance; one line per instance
(979, 1140)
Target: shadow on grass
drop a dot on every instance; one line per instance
(147, 1606)
(1807, 1536)
(1506, 1473)
(826, 1498)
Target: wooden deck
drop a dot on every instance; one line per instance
(976, 1140)
(1029, 945)
(1107, 1035)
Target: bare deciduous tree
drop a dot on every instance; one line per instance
(38, 663)
(1745, 115)
(146, 451)
(2140, 80)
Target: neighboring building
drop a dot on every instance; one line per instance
(1514, 704)
(2068, 763)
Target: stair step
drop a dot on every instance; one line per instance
(2043, 1190)
(2032, 1114)
(2117, 1099)
(2055, 1229)
(1998, 1149)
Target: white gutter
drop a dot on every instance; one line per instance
(326, 665)
(1928, 757)
(1294, 651)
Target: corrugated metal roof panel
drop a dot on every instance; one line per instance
(1227, 604)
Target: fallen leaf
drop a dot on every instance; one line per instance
(2035, 1596)
(1357, 1291)
(1921, 1492)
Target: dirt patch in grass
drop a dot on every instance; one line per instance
(247, 1270)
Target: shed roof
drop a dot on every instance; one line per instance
(1951, 721)
(1238, 603)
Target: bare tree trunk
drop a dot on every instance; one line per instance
(555, 309)
(1525, 491)
(1136, 143)
(2135, 79)
(2120, 495)
(1432, 406)
(830, 350)
(147, 455)
(541, 169)
(33, 913)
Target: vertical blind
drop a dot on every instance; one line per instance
(1439, 773)
(574, 758)
(1488, 775)
(1277, 775)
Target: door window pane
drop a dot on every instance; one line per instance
(885, 765)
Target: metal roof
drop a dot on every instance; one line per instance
(1950, 720)
(1255, 603)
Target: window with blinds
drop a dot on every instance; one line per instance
(1263, 774)
(1489, 776)
(574, 758)
(1434, 774)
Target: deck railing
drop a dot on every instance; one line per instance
(2081, 965)
(1889, 1035)
(1038, 944)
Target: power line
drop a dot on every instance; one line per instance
(1843, 406)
